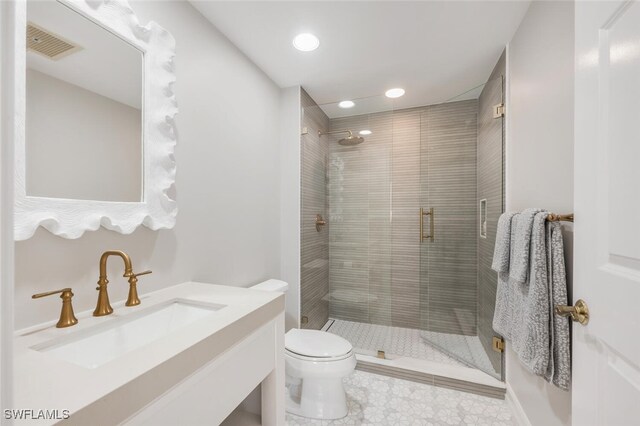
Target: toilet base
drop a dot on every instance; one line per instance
(316, 398)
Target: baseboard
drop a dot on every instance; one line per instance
(516, 408)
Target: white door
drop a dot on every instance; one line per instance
(606, 352)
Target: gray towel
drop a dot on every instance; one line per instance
(512, 289)
(559, 369)
(519, 263)
(504, 310)
(530, 328)
(523, 313)
(502, 249)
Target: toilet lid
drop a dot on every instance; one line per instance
(316, 344)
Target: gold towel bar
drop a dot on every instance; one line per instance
(560, 217)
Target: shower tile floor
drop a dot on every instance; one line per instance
(412, 343)
(385, 401)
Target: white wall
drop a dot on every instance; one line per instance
(228, 178)
(76, 139)
(539, 156)
(9, 35)
(290, 186)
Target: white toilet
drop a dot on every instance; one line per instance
(315, 364)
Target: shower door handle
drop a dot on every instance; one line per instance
(424, 213)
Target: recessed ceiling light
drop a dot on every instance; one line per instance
(365, 132)
(346, 104)
(306, 42)
(394, 93)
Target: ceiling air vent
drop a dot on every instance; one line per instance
(48, 44)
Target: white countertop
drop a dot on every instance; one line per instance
(139, 376)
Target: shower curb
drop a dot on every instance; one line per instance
(432, 379)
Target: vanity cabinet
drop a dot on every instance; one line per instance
(209, 395)
(188, 355)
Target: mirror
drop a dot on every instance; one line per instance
(83, 124)
(94, 120)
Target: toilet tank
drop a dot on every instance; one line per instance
(272, 285)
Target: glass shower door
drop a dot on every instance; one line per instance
(461, 170)
(359, 206)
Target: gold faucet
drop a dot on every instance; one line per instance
(104, 307)
(67, 318)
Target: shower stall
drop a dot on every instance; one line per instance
(399, 212)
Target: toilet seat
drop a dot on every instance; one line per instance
(317, 359)
(316, 345)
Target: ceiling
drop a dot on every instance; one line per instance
(106, 64)
(436, 50)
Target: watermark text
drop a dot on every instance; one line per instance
(36, 414)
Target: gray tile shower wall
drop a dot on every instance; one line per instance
(314, 245)
(491, 188)
(419, 157)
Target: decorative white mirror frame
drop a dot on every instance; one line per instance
(71, 218)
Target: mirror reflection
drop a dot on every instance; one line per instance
(83, 108)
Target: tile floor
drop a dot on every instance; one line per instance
(385, 401)
(397, 341)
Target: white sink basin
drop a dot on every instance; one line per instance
(98, 345)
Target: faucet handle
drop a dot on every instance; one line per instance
(67, 318)
(133, 299)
